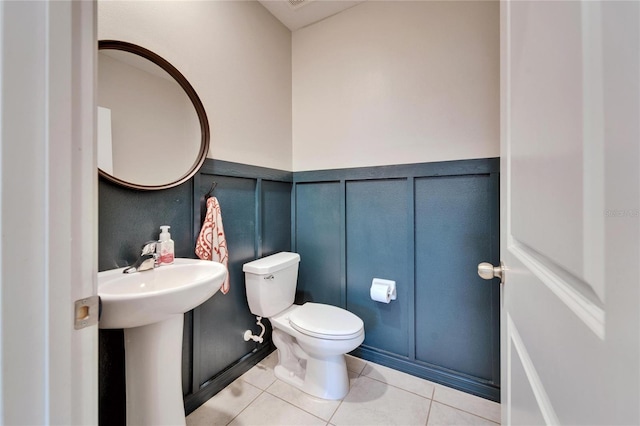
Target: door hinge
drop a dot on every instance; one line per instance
(86, 312)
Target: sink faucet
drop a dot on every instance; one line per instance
(147, 260)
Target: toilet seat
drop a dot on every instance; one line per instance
(326, 322)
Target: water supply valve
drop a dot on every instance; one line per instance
(248, 334)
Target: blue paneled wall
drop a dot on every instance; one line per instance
(225, 317)
(377, 236)
(319, 242)
(453, 233)
(426, 226)
(256, 212)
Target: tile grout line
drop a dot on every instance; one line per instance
(248, 405)
(432, 398)
(466, 411)
(359, 375)
(433, 393)
(402, 389)
(266, 390)
(342, 400)
(429, 413)
(295, 406)
(252, 385)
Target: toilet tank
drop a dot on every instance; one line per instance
(271, 283)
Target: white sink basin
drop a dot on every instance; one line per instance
(150, 307)
(142, 298)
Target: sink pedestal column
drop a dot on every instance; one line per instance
(153, 365)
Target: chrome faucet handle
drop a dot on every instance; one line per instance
(149, 247)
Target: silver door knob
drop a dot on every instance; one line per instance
(487, 271)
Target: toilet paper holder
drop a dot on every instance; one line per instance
(390, 284)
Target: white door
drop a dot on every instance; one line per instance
(570, 197)
(48, 212)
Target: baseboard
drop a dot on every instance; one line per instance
(226, 377)
(434, 374)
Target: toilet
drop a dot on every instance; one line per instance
(311, 338)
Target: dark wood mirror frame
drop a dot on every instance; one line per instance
(191, 93)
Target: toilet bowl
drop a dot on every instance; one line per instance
(310, 358)
(312, 338)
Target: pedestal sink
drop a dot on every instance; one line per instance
(150, 307)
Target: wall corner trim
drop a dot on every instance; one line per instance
(401, 171)
(227, 168)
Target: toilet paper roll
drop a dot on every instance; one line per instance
(380, 292)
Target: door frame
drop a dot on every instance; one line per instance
(48, 212)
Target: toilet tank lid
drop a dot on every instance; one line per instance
(273, 263)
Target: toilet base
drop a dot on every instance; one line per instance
(325, 378)
(314, 365)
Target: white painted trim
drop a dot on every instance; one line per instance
(507, 390)
(544, 403)
(505, 212)
(48, 193)
(591, 314)
(22, 189)
(2, 281)
(593, 147)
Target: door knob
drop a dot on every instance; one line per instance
(487, 271)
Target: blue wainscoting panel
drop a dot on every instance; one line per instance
(222, 319)
(426, 226)
(453, 233)
(376, 236)
(128, 219)
(276, 217)
(318, 241)
(256, 211)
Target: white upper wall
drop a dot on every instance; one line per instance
(385, 82)
(395, 82)
(237, 57)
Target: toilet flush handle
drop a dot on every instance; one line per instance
(269, 277)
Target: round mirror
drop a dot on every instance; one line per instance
(152, 128)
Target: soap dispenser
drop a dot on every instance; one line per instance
(165, 247)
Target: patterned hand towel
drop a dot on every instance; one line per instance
(211, 244)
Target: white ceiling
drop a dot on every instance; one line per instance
(305, 12)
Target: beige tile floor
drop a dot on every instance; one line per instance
(378, 396)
